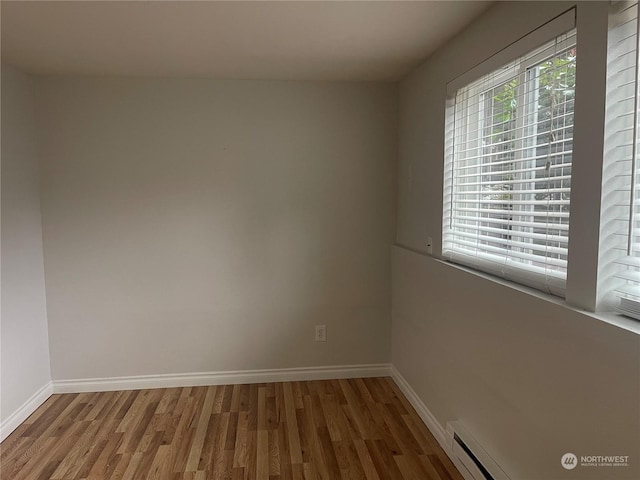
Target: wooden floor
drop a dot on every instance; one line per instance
(326, 430)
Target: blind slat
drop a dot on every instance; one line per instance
(508, 244)
(515, 223)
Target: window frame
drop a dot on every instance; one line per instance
(584, 265)
(526, 61)
(619, 273)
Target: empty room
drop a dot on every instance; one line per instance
(320, 240)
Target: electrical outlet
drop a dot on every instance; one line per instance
(429, 245)
(321, 333)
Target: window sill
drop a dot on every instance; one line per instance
(611, 318)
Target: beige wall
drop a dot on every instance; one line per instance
(196, 225)
(531, 379)
(24, 343)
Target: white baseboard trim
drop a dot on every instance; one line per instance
(425, 414)
(429, 420)
(14, 420)
(220, 378)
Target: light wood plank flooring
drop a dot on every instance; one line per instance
(318, 430)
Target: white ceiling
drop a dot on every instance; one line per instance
(332, 40)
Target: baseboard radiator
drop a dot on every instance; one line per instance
(471, 459)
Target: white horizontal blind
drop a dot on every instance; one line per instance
(508, 154)
(620, 223)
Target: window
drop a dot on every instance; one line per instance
(620, 222)
(508, 155)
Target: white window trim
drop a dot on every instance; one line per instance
(548, 31)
